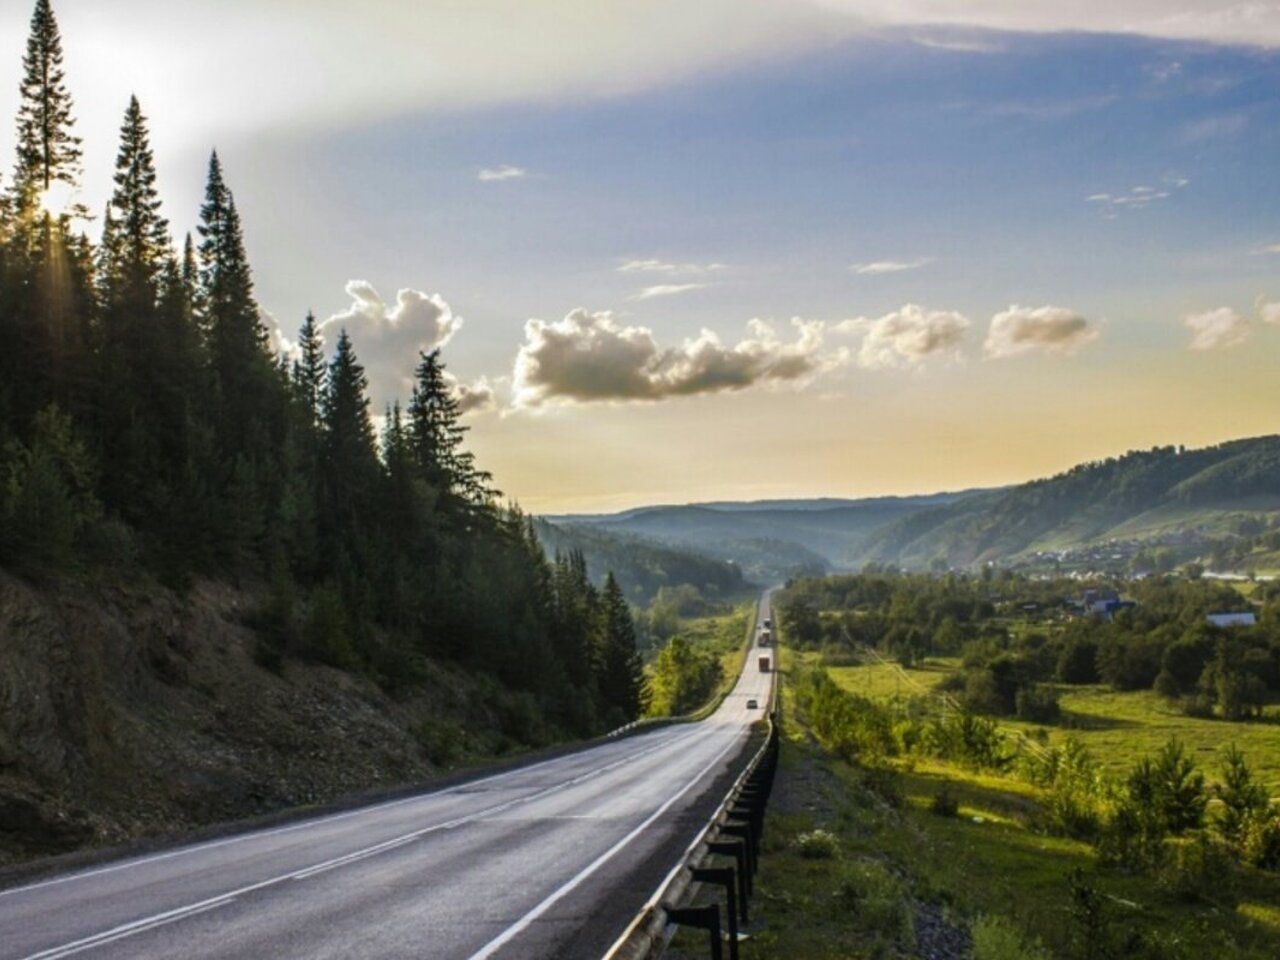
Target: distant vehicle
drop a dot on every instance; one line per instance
(753, 704)
(768, 624)
(766, 638)
(764, 664)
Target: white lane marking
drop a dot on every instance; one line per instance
(129, 929)
(275, 831)
(148, 923)
(496, 944)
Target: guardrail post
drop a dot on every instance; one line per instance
(723, 876)
(702, 918)
(738, 829)
(737, 850)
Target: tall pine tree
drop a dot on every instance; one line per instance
(47, 327)
(48, 151)
(622, 681)
(437, 436)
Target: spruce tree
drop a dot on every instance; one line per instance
(622, 681)
(437, 438)
(135, 241)
(48, 151)
(47, 327)
(308, 374)
(248, 407)
(348, 458)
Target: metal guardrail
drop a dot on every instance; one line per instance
(733, 832)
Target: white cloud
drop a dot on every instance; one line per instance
(668, 290)
(388, 336)
(956, 44)
(653, 265)
(1217, 329)
(906, 337)
(1051, 330)
(478, 397)
(1250, 22)
(1269, 312)
(1270, 248)
(591, 357)
(880, 267)
(1136, 198)
(1220, 127)
(504, 172)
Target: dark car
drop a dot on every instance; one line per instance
(753, 704)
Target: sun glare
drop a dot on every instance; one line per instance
(58, 200)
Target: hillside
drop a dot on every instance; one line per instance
(769, 540)
(1217, 501)
(130, 709)
(642, 566)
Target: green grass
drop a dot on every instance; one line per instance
(728, 635)
(1118, 728)
(986, 861)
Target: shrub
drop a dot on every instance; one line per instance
(1243, 799)
(817, 845)
(995, 938)
(1038, 704)
(1261, 841)
(1200, 870)
(945, 802)
(878, 901)
(1132, 839)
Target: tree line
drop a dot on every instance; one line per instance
(1020, 636)
(145, 423)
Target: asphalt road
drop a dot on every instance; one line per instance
(551, 860)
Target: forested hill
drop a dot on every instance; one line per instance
(769, 540)
(1191, 501)
(152, 443)
(642, 566)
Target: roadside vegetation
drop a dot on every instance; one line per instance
(942, 831)
(700, 661)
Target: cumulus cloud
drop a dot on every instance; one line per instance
(906, 337)
(388, 336)
(654, 265)
(1216, 329)
(878, 267)
(504, 172)
(1052, 330)
(477, 397)
(1269, 311)
(590, 357)
(668, 290)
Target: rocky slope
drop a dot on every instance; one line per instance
(127, 710)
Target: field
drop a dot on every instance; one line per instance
(891, 878)
(1118, 728)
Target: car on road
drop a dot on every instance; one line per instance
(753, 704)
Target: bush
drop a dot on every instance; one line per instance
(1132, 839)
(817, 845)
(1261, 844)
(1038, 704)
(878, 901)
(995, 938)
(945, 802)
(1201, 870)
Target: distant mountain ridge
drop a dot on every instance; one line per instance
(769, 540)
(1163, 496)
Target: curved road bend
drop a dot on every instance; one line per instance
(548, 861)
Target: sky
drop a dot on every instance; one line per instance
(689, 250)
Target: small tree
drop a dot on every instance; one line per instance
(1243, 798)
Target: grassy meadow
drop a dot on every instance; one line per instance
(1118, 728)
(857, 863)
